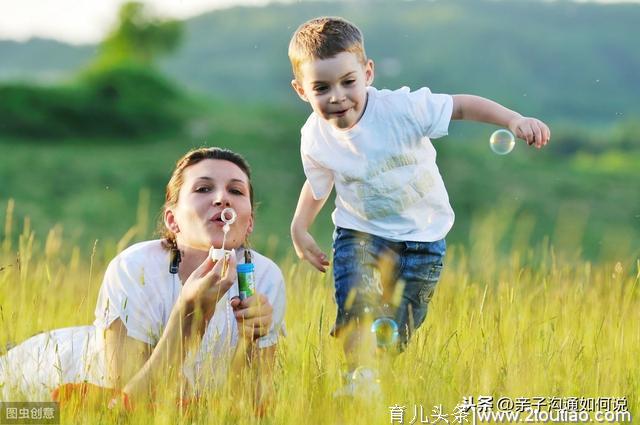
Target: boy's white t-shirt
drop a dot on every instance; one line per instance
(384, 168)
(138, 289)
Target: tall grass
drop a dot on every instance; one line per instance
(530, 324)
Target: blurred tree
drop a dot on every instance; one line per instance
(121, 95)
(626, 135)
(139, 37)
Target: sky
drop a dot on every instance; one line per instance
(87, 21)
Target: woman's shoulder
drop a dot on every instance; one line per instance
(140, 271)
(142, 253)
(269, 280)
(267, 271)
(143, 249)
(262, 261)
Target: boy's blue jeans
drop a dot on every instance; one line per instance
(381, 277)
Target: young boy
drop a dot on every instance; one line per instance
(392, 210)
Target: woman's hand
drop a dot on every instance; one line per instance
(254, 316)
(208, 284)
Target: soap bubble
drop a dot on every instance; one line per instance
(386, 330)
(363, 373)
(502, 142)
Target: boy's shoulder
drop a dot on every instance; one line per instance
(383, 105)
(402, 95)
(310, 131)
(397, 107)
(420, 106)
(314, 123)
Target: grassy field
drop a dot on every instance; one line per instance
(528, 324)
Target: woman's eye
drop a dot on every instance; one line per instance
(236, 191)
(320, 89)
(349, 82)
(203, 189)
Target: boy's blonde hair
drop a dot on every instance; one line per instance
(323, 38)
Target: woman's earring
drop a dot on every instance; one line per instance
(175, 260)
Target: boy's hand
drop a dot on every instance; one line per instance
(533, 131)
(307, 249)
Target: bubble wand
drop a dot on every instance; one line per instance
(246, 278)
(228, 221)
(228, 217)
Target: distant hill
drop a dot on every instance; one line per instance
(41, 59)
(561, 61)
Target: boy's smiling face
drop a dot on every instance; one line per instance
(336, 88)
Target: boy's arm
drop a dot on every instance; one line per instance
(476, 108)
(304, 244)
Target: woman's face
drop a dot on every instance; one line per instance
(209, 187)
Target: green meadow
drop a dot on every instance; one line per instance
(585, 204)
(498, 326)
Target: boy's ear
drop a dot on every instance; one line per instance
(299, 90)
(369, 72)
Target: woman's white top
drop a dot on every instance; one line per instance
(139, 290)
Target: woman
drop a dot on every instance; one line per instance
(164, 306)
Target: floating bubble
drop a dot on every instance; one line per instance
(386, 330)
(502, 142)
(363, 373)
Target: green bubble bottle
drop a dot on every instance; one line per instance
(246, 278)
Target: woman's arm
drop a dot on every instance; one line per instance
(266, 360)
(124, 355)
(252, 369)
(185, 327)
(254, 317)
